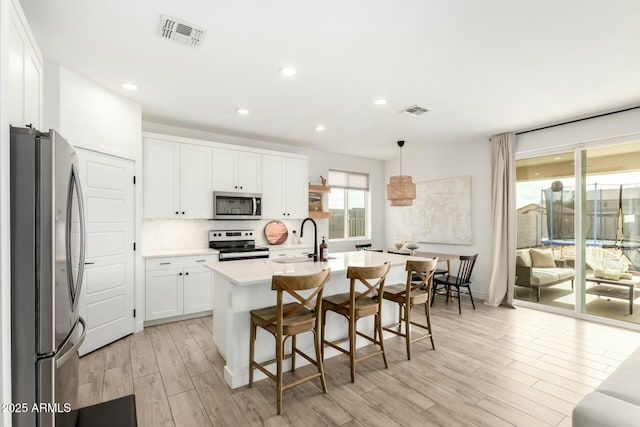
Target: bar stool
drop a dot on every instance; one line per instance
(288, 320)
(356, 305)
(411, 293)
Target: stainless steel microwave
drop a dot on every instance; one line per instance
(237, 205)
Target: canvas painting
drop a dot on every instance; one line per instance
(441, 212)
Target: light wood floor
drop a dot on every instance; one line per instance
(492, 367)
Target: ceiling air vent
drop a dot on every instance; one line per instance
(180, 31)
(414, 110)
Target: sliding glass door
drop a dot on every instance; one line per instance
(578, 216)
(545, 203)
(611, 216)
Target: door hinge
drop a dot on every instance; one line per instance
(134, 246)
(134, 180)
(134, 312)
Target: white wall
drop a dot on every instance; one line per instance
(319, 163)
(615, 128)
(92, 117)
(444, 161)
(5, 243)
(89, 115)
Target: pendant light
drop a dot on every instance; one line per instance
(401, 191)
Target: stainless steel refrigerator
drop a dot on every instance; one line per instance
(47, 263)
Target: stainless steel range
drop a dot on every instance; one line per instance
(236, 244)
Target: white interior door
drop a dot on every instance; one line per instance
(107, 299)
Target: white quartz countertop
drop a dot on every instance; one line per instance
(180, 252)
(288, 247)
(253, 271)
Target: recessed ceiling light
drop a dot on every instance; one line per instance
(380, 101)
(537, 173)
(129, 86)
(288, 71)
(320, 128)
(556, 158)
(242, 111)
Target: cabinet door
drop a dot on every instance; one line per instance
(198, 284)
(273, 187)
(249, 172)
(16, 75)
(25, 71)
(164, 293)
(224, 170)
(161, 179)
(32, 89)
(196, 195)
(296, 192)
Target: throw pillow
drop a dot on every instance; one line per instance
(523, 259)
(542, 258)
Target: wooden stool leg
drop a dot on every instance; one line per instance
(252, 344)
(427, 312)
(384, 355)
(293, 353)
(407, 335)
(279, 353)
(324, 322)
(352, 347)
(459, 304)
(319, 361)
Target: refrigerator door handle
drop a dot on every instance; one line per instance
(83, 240)
(75, 286)
(62, 360)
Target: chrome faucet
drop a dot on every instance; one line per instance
(315, 237)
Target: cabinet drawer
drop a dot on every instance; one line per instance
(197, 260)
(160, 263)
(179, 261)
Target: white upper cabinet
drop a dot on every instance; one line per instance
(237, 171)
(285, 192)
(296, 192)
(25, 72)
(196, 196)
(177, 180)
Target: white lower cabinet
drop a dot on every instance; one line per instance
(177, 286)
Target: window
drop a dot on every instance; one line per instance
(349, 205)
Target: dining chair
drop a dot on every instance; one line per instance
(461, 280)
(410, 294)
(356, 305)
(288, 320)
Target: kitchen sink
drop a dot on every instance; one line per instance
(290, 259)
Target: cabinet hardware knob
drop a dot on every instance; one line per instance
(177, 213)
(179, 274)
(236, 187)
(241, 187)
(182, 212)
(187, 273)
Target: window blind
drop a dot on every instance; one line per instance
(350, 180)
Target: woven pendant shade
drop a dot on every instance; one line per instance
(401, 191)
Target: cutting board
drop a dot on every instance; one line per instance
(276, 232)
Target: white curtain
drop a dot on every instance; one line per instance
(503, 209)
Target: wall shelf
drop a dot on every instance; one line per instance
(319, 215)
(316, 201)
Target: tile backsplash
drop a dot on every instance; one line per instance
(171, 234)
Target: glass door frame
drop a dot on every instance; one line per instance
(579, 154)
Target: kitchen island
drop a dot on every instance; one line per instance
(242, 286)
